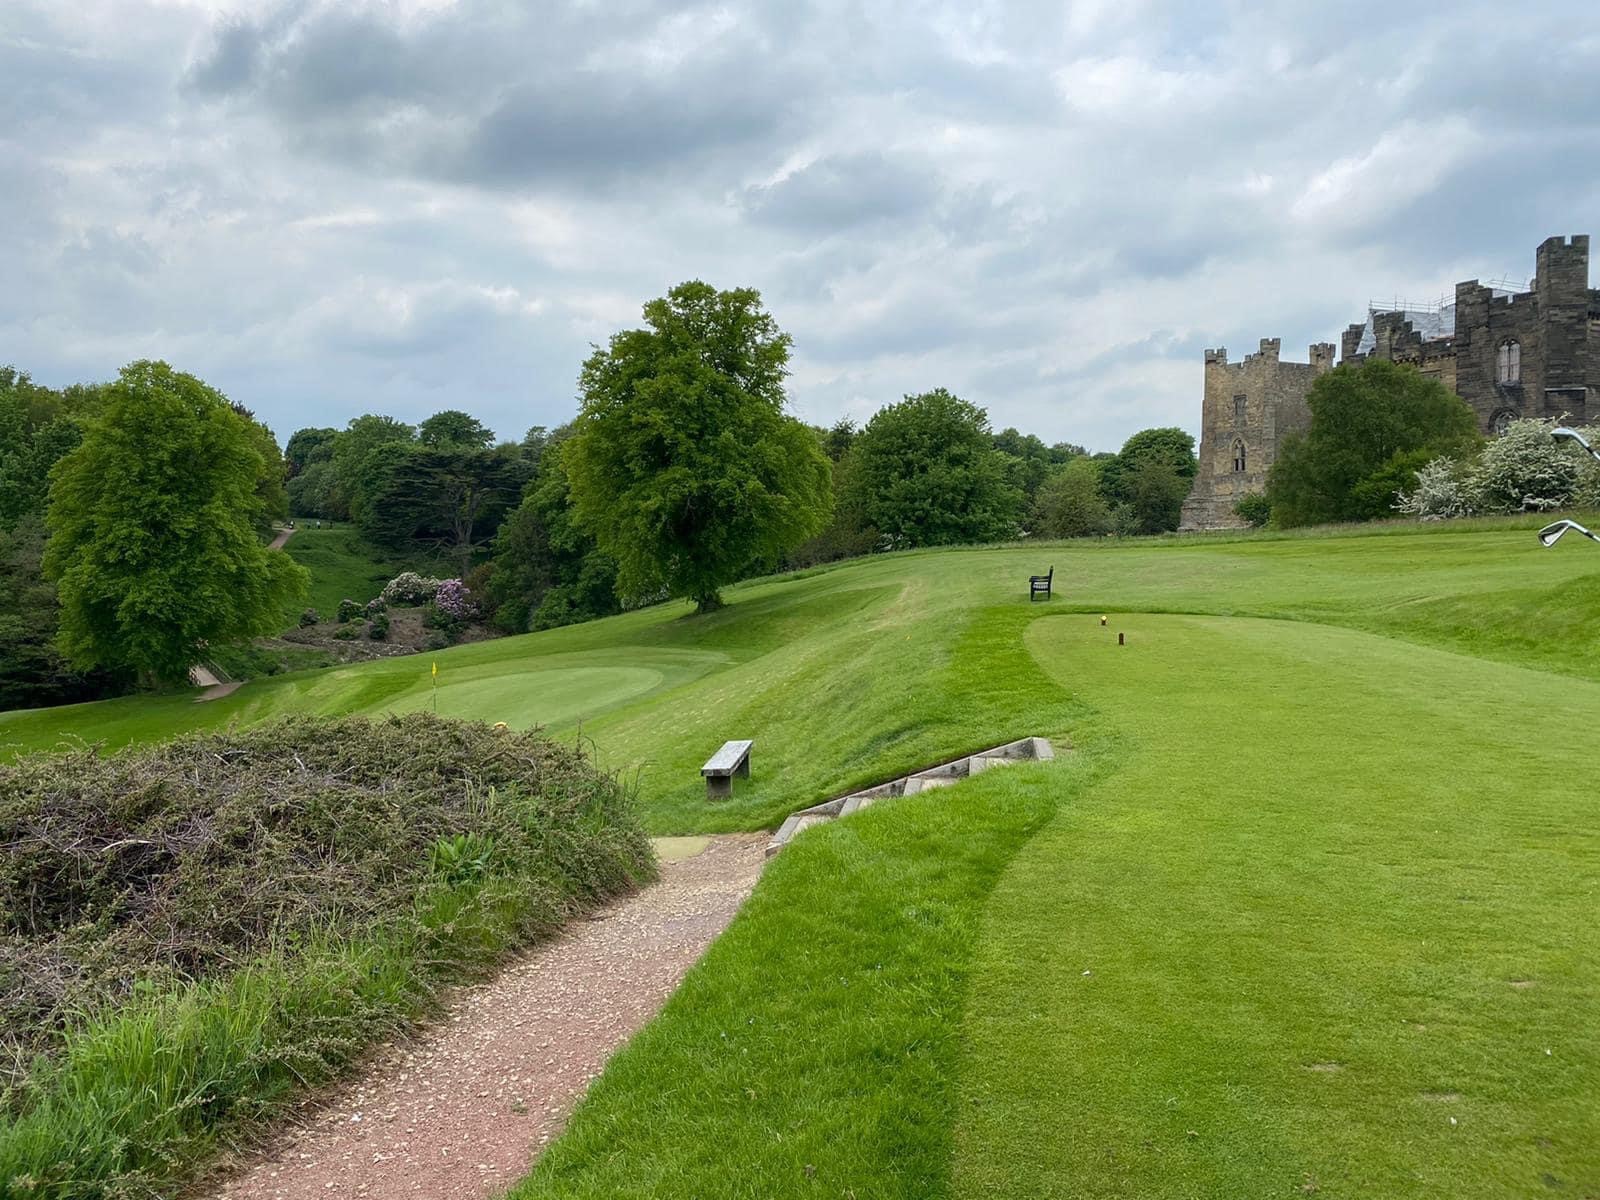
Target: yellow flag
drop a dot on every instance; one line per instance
(436, 670)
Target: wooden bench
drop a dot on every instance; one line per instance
(1039, 585)
(733, 759)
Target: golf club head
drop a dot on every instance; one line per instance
(1561, 431)
(1551, 534)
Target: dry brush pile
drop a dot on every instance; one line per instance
(169, 878)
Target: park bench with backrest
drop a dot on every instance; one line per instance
(1039, 585)
(733, 759)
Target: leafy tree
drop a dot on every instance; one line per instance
(38, 425)
(32, 671)
(838, 439)
(452, 427)
(362, 452)
(314, 492)
(1372, 425)
(927, 474)
(1168, 445)
(849, 534)
(1156, 491)
(450, 494)
(682, 462)
(547, 570)
(307, 446)
(1069, 503)
(153, 543)
(1255, 508)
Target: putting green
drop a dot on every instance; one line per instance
(526, 698)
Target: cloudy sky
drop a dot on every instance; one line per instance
(325, 208)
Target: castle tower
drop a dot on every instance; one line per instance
(1248, 407)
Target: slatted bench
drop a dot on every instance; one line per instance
(1039, 585)
(733, 759)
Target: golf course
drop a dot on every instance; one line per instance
(1305, 905)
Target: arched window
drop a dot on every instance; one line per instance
(1238, 410)
(1508, 362)
(1238, 456)
(1501, 421)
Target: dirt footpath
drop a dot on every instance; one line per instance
(463, 1110)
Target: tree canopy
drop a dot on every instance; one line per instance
(928, 474)
(683, 464)
(153, 530)
(1373, 424)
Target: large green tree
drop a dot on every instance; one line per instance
(452, 427)
(1372, 425)
(1165, 446)
(362, 454)
(548, 571)
(926, 473)
(449, 494)
(153, 522)
(1069, 503)
(683, 463)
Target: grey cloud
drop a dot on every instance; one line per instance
(836, 193)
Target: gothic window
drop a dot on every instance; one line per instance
(1508, 362)
(1501, 421)
(1238, 410)
(1238, 456)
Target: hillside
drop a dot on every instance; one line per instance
(1306, 909)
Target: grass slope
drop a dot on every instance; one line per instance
(1323, 930)
(1284, 842)
(344, 565)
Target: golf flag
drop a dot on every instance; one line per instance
(436, 670)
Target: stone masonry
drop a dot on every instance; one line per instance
(1507, 354)
(1248, 407)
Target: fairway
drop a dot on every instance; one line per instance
(1328, 925)
(1306, 907)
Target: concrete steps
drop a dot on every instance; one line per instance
(1029, 749)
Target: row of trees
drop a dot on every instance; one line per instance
(134, 515)
(682, 472)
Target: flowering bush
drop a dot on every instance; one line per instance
(409, 588)
(349, 609)
(1440, 494)
(454, 601)
(1526, 470)
(374, 607)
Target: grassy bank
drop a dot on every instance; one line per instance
(191, 934)
(1317, 801)
(813, 1051)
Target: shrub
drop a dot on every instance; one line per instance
(309, 618)
(347, 633)
(189, 932)
(376, 606)
(349, 610)
(1254, 508)
(409, 589)
(1440, 494)
(378, 627)
(1526, 470)
(480, 590)
(453, 599)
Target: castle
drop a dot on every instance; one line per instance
(1508, 354)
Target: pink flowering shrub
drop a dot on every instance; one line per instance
(454, 601)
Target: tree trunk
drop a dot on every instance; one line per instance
(708, 603)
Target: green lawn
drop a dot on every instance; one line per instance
(1319, 877)
(344, 565)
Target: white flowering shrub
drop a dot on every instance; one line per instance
(1441, 493)
(409, 588)
(1526, 470)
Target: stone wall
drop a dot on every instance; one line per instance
(1248, 407)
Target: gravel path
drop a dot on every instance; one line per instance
(463, 1109)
